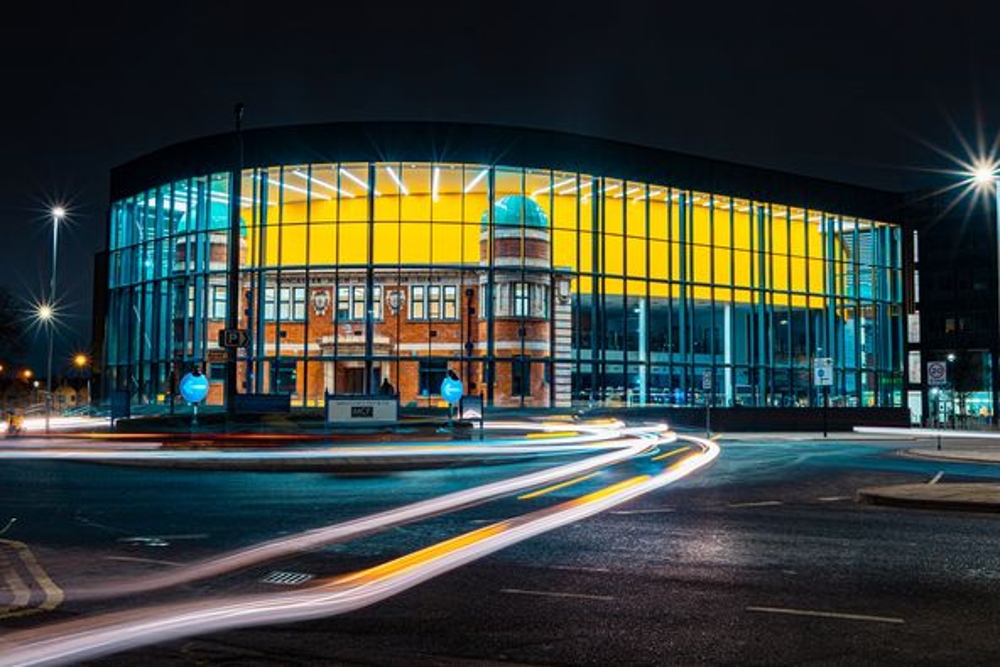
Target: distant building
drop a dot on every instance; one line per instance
(547, 270)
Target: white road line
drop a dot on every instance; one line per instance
(762, 503)
(935, 478)
(830, 499)
(826, 614)
(662, 510)
(556, 594)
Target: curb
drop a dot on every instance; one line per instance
(887, 497)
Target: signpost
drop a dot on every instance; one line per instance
(823, 377)
(706, 385)
(451, 391)
(937, 373)
(937, 377)
(194, 389)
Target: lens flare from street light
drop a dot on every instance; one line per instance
(985, 173)
(80, 359)
(58, 212)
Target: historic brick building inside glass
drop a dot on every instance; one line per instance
(545, 269)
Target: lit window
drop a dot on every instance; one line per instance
(417, 305)
(520, 300)
(450, 295)
(377, 302)
(343, 303)
(269, 304)
(284, 305)
(358, 302)
(434, 302)
(218, 302)
(299, 303)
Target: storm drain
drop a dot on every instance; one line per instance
(279, 578)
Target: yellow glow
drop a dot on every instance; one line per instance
(721, 244)
(610, 490)
(556, 487)
(416, 558)
(670, 453)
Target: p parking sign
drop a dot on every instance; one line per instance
(823, 372)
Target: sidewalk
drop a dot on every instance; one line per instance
(946, 446)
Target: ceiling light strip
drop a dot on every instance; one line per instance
(476, 180)
(399, 183)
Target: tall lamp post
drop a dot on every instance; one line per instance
(81, 361)
(986, 175)
(46, 312)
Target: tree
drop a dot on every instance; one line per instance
(13, 338)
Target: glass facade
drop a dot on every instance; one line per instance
(540, 288)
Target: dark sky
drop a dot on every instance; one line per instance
(845, 90)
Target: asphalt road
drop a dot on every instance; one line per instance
(762, 559)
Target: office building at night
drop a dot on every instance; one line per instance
(544, 269)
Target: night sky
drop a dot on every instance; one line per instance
(859, 92)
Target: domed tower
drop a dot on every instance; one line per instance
(521, 300)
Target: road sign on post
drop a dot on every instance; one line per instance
(234, 338)
(937, 373)
(823, 371)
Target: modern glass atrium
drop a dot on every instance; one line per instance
(538, 287)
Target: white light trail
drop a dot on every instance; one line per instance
(87, 638)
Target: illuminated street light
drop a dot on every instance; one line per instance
(46, 313)
(82, 361)
(985, 175)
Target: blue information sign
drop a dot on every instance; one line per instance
(194, 388)
(451, 390)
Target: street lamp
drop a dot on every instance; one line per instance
(46, 313)
(984, 176)
(81, 361)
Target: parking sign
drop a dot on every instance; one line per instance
(823, 372)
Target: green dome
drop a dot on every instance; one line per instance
(517, 210)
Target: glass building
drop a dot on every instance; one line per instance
(546, 270)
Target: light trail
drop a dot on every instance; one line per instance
(88, 638)
(613, 450)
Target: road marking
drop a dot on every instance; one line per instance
(556, 594)
(659, 510)
(935, 478)
(133, 559)
(20, 592)
(670, 453)
(762, 503)
(826, 614)
(53, 595)
(286, 578)
(556, 487)
(830, 499)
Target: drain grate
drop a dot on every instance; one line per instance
(280, 578)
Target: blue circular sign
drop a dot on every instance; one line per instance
(451, 390)
(194, 388)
